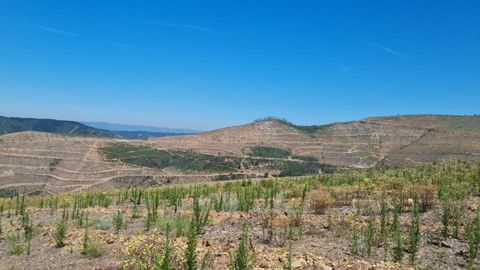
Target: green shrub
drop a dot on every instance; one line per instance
(180, 225)
(472, 235)
(15, 245)
(397, 230)
(369, 234)
(354, 241)
(200, 214)
(191, 250)
(166, 262)
(398, 248)
(28, 230)
(118, 221)
(242, 258)
(92, 247)
(102, 223)
(148, 251)
(60, 233)
(446, 208)
(414, 230)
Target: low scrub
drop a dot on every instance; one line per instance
(320, 201)
(159, 159)
(145, 252)
(270, 152)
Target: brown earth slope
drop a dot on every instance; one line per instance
(392, 140)
(56, 163)
(53, 163)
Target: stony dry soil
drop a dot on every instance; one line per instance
(325, 241)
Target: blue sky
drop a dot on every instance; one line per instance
(209, 64)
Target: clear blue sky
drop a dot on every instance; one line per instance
(208, 64)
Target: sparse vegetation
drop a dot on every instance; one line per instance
(414, 230)
(60, 233)
(242, 258)
(14, 243)
(376, 212)
(472, 234)
(270, 152)
(145, 156)
(191, 250)
(320, 201)
(118, 221)
(54, 163)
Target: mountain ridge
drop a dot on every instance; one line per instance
(68, 127)
(53, 163)
(137, 128)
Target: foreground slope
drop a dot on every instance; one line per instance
(420, 217)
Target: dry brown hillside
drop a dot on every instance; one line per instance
(392, 140)
(56, 163)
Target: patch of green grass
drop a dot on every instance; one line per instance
(8, 193)
(231, 176)
(102, 223)
(293, 168)
(93, 248)
(36, 193)
(145, 156)
(306, 129)
(14, 244)
(306, 158)
(270, 152)
(54, 163)
(159, 159)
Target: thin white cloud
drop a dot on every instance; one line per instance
(177, 25)
(388, 50)
(49, 29)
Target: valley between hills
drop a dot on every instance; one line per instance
(397, 192)
(51, 163)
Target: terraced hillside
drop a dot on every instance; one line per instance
(387, 140)
(53, 163)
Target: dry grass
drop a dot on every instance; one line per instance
(426, 195)
(343, 195)
(320, 201)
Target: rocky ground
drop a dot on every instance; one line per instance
(324, 244)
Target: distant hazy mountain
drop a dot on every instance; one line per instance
(142, 135)
(138, 128)
(17, 124)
